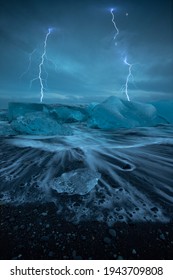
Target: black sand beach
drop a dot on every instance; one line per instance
(37, 232)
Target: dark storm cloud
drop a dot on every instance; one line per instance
(158, 78)
(153, 85)
(10, 40)
(82, 45)
(161, 70)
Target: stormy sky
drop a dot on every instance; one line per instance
(83, 63)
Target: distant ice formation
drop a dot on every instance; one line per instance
(113, 113)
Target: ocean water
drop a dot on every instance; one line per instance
(110, 176)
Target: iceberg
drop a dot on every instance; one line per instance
(55, 119)
(117, 113)
(43, 119)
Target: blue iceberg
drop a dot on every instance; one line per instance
(58, 119)
(117, 113)
(39, 123)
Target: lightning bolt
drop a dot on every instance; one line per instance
(42, 64)
(116, 28)
(41, 68)
(29, 64)
(128, 77)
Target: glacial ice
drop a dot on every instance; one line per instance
(117, 113)
(57, 119)
(3, 115)
(68, 114)
(39, 123)
(16, 110)
(79, 181)
(61, 113)
(43, 119)
(6, 129)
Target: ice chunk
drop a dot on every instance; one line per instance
(80, 181)
(39, 123)
(6, 129)
(68, 113)
(115, 113)
(90, 107)
(16, 110)
(63, 113)
(3, 115)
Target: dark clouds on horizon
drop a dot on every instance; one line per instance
(88, 64)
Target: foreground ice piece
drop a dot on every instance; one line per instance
(115, 113)
(80, 181)
(39, 123)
